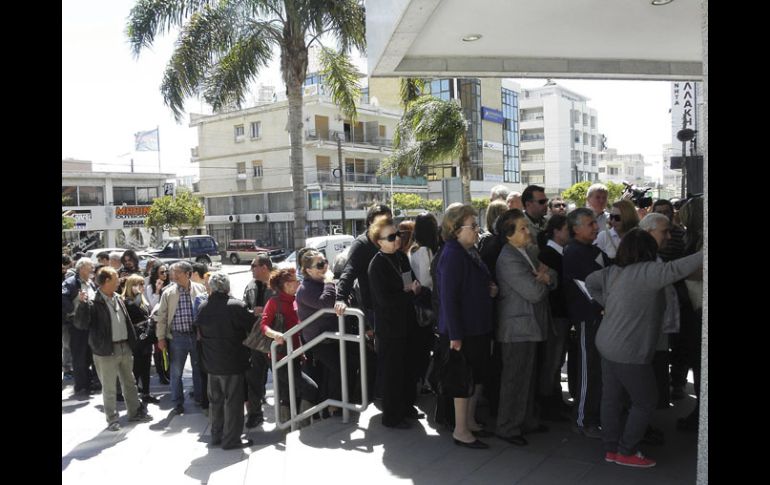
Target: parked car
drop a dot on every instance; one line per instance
(91, 253)
(197, 248)
(245, 250)
(329, 246)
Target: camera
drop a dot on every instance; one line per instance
(637, 195)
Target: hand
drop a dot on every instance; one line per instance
(415, 287)
(162, 344)
(369, 334)
(279, 338)
(258, 309)
(328, 277)
(340, 307)
(493, 289)
(158, 285)
(83, 296)
(456, 344)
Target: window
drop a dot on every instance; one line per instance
(511, 166)
(441, 88)
(145, 195)
(470, 99)
(238, 133)
(256, 130)
(365, 95)
(280, 201)
(240, 180)
(124, 195)
(612, 170)
(218, 206)
(250, 204)
(601, 169)
(593, 159)
(257, 167)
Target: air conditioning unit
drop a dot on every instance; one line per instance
(241, 176)
(234, 218)
(260, 217)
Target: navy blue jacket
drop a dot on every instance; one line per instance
(465, 305)
(579, 261)
(311, 296)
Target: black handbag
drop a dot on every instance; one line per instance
(258, 341)
(455, 375)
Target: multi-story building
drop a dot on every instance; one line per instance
(109, 209)
(672, 179)
(245, 169)
(617, 168)
(560, 140)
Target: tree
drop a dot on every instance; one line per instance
(414, 201)
(224, 44)
(431, 131)
(182, 210)
(577, 193)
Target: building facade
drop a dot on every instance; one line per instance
(614, 167)
(109, 209)
(560, 139)
(245, 168)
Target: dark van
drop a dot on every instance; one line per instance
(200, 249)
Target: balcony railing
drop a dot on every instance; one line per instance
(331, 136)
(532, 137)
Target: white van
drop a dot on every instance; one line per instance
(329, 246)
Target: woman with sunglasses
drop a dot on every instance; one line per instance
(318, 291)
(623, 218)
(393, 288)
(157, 284)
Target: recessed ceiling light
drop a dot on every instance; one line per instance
(658, 3)
(471, 37)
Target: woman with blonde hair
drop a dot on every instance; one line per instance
(139, 312)
(623, 217)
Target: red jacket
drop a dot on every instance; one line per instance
(289, 311)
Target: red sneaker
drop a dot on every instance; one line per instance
(610, 457)
(638, 460)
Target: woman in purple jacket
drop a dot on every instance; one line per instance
(465, 314)
(318, 291)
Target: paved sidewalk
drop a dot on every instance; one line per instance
(173, 450)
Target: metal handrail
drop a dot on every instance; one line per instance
(292, 354)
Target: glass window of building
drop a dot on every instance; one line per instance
(257, 167)
(218, 206)
(249, 204)
(441, 88)
(69, 195)
(238, 132)
(314, 200)
(280, 202)
(256, 129)
(470, 98)
(124, 195)
(511, 166)
(91, 195)
(145, 195)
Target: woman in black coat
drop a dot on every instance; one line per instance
(393, 288)
(139, 312)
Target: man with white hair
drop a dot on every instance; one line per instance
(115, 260)
(514, 201)
(223, 322)
(596, 200)
(78, 339)
(498, 192)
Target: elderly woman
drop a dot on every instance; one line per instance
(393, 287)
(623, 217)
(317, 291)
(634, 302)
(465, 312)
(523, 320)
(285, 284)
(139, 311)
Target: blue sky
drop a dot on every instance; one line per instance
(107, 96)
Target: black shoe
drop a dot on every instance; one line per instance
(254, 420)
(141, 416)
(476, 445)
(215, 442)
(517, 440)
(120, 398)
(179, 409)
(238, 446)
(146, 398)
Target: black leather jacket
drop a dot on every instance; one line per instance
(94, 316)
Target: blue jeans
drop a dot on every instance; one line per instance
(180, 346)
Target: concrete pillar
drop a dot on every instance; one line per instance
(703, 429)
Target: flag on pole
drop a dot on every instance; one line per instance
(146, 141)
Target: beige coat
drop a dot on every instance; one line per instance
(168, 303)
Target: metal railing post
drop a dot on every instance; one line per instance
(343, 369)
(292, 396)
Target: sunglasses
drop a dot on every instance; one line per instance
(542, 201)
(615, 217)
(559, 205)
(391, 237)
(322, 264)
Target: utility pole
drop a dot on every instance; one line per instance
(342, 180)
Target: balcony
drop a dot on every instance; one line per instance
(398, 180)
(329, 177)
(331, 136)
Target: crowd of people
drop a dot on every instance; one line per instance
(614, 295)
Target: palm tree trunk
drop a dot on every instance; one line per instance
(465, 172)
(294, 66)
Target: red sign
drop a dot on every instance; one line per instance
(131, 211)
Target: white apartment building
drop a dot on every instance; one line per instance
(245, 169)
(614, 167)
(560, 140)
(110, 209)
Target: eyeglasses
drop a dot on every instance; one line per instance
(322, 264)
(542, 201)
(473, 226)
(391, 237)
(615, 217)
(556, 206)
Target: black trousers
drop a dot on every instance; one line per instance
(142, 364)
(81, 358)
(589, 390)
(660, 369)
(225, 393)
(256, 380)
(327, 354)
(305, 388)
(398, 378)
(204, 376)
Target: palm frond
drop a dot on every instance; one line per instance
(341, 77)
(411, 89)
(229, 79)
(149, 18)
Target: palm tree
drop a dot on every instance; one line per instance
(430, 131)
(224, 44)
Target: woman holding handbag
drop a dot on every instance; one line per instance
(465, 290)
(139, 312)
